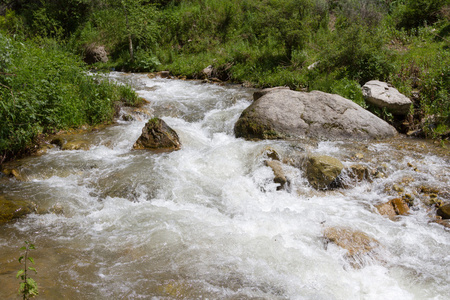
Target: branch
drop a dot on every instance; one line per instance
(12, 94)
(8, 74)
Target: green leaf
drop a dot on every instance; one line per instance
(20, 272)
(31, 246)
(32, 269)
(20, 259)
(31, 259)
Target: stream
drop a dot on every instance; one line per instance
(207, 221)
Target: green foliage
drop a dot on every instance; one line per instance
(43, 89)
(11, 23)
(28, 287)
(415, 13)
(259, 42)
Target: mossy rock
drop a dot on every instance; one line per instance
(444, 211)
(158, 136)
(13, 209)
(323, 171)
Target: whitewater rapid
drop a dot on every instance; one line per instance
(207, 221)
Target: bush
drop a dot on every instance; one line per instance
(415, 13)
(43, 89)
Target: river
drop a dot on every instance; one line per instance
(207, 221)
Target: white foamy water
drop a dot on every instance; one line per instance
(207, 222)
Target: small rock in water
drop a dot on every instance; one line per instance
(444, 211)
(158, 136)
(322, 171)
(393, 208)
(357, 243)
(13, 209)
(280, 178)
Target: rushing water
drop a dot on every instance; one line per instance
(207, 222)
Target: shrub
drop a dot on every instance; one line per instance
(43, 89)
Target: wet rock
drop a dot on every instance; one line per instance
(127, 117)
(382, 95)
(271, 154)
(14, 173)
(71, 141)
(13, 209)
(164, 74)
(445, 223)
(358, 173)
(357, 243)
(444, 211)
(323, 171)
(158, 136)
(277, 169)
(286, 114)
(44, 149)
(75, 145)
(352, 175)
(393, 208)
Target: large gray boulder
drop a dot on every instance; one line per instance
(286, 114)
(382, 95)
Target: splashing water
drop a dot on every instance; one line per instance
(207, 222)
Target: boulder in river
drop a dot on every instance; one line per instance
(286, 114)
(382, 95)
(322, 171)
(444, 211)
(158, 136)
(13, 209)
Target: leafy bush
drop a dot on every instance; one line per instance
(43, 89)
(414, 13)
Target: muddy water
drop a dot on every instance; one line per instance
(207, 222)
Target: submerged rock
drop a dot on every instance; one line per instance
(13, 209)
(277, 169)
(393, 208)
(158, 136)
(322, 171)
(382, 95)
(359, 245)
(356, 242)
(286, 114)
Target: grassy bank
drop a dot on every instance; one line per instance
(267, 43)
(44, 89)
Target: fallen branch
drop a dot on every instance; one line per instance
(8, 74)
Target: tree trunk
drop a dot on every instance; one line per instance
(130, 40)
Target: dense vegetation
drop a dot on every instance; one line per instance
(258, 42)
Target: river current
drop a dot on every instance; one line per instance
(207, 221)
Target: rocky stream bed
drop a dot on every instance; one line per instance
(224, 217)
